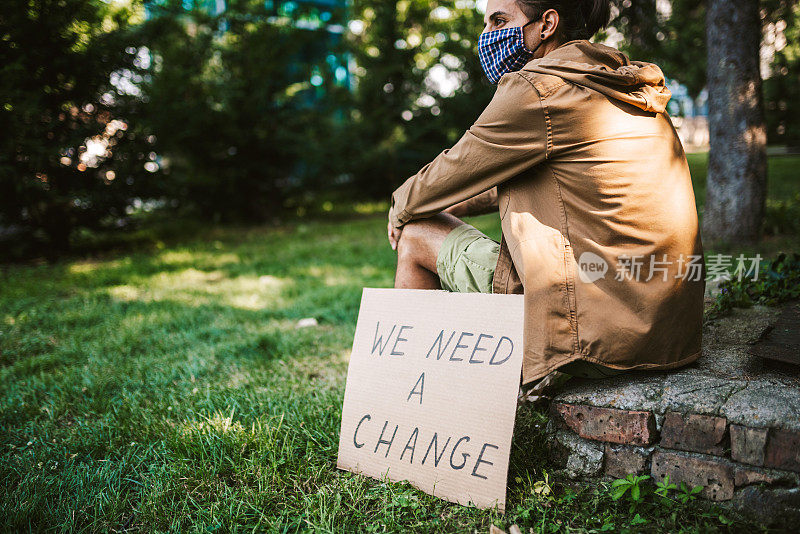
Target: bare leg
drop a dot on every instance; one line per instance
(418, 250)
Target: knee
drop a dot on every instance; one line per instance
(410, 240)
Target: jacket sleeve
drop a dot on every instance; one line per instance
(485, 202)
(509, 137)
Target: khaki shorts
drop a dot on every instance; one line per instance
(466, 264)
(467, 260)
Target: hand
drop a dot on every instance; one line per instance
(394, 235)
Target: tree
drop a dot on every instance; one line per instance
(782, 87)
(402, 116)
(737, 170)
(239, 103)
(63, 152)
(673, 38)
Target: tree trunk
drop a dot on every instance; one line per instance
(737, 167)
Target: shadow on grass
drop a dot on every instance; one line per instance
(173, 391)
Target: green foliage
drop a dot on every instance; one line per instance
(677, 43)
(56, 63)
(782, 216)
(778, 281)
(782, 88)
(630, 504)
(401, 118)
(243, 106)
(688, 493)
(643, 496)
(280, 140)
(630, 485)
(664, 487)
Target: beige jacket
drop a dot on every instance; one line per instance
(586, 169)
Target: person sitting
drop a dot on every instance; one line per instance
(577, 153)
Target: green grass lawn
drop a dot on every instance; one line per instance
(783, 205)
(169, 389)
(783, 179)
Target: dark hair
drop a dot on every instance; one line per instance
(580, 19)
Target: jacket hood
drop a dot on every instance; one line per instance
(608, 71)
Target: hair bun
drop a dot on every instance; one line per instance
(581, 19)
(596, 15)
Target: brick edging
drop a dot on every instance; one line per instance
(699, 449)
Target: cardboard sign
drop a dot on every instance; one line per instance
(432, 391)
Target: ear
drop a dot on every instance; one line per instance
(550, 25)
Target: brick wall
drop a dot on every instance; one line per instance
(698, 449)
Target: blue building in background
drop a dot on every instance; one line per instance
(690, 117)
(683, 105)
(329, 18)
(326, 17)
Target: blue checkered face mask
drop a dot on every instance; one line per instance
(503, 51)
